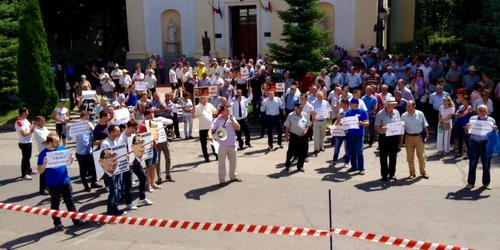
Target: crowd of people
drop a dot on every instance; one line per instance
(397, 103)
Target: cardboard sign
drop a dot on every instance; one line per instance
(122, 116)
(212, 91)
(269, 87)
(141, 86)
(157, 130)
(89, 95)
(202, 91)
(140, 147)
(59, 158)
(280, 87)
(112, 161)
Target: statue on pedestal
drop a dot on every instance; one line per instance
(205, 41)
(172, 29)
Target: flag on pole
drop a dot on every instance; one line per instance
(269, 6)
(219, 10)
(262, 5)
(216, 10)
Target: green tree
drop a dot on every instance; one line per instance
(9, 12)
(36, 79)
(303, 42)
(483, 40)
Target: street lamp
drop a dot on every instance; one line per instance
(382, 13)
(379, 27)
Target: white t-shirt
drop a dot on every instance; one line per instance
(125, 81)
(108, 143)
(219, 81)
(23, 125)
(187, 105)
(138, 76)
(61, 114)
(308, 108)
(205, 115)
(178, 73)
(103, 77)
(116, 74)
(123, 139)
(172, 76)
(445, 112)
(150, 81)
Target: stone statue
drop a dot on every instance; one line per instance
(205, 41)
(323, 24)
(172, 29)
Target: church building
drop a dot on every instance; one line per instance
(171, 28)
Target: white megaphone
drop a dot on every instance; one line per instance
(220, 134)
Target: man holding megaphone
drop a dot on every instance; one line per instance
(225, 127)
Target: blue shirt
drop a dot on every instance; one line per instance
(389, 79)
(132, 100)
(370, 102)
(83, 143)
(272, 107)
(362, 116)
(54, 176)
(290, 100)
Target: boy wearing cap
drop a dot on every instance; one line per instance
(355, 136)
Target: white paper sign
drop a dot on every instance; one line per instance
(351, 122)
(78, 128)
(480, 128)
(88, 94)
(337, 131)
(140, 147)
(112, 161)
(395, 128)
(141, 86)
(322, 114)
(57, 159)
(216, 146)
(122, 116)
(280, 87)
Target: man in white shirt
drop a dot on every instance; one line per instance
(205, 112)
(103, 77)
(25, 132)
(41, 133)
(240, 112)
(116, 75)
(172, 76)
(125, 80)
(138, 77)
(321, 113)
(151, 81)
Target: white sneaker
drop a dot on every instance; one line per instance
(145, 202)
(131, 207)
(27, 178)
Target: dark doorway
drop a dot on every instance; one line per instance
(244, 30)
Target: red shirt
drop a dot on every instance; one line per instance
(306, 82)
(144, 129)
(380, 101)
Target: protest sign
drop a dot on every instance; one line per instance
(57, 159)
(351, 122)
(395, 128)
(88, 95)
(78, 128)
(140, 147)
(212, 91)
(112, 161)
(122, 116)
(157, 130)
(280, 87)
(202, 91)
(269, 87)
(337, 131)
(480, 128)
(141, 86)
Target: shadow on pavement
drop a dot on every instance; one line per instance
(260, 151)
(282, 173)
(9, 181)
(189, 164)
(20, 198)
(196, 194)
(26, 240)
(465, 194)
(379, 185)
(334, 174)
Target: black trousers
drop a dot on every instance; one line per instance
(203, 141)
(66, 191)
(26, 155)
(297, 147)
(86, 165)
(42, 184)
(461, 137)
(176, 125)
(274, 122)
(244, 130)
(388, 146)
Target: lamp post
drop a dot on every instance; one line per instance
(379, 27)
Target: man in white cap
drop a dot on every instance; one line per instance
(388, 145)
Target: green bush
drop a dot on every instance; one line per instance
(35, 78)
(9, 13)
(445, 44)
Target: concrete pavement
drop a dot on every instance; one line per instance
(437, 210)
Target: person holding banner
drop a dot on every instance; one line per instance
(227, 148)
(341, 112)
(41, 133)
(152, 163)
(83, 154)
(388, 145)
(479, 126)
(355, 135)
(58, 181)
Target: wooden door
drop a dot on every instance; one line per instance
(244, 28)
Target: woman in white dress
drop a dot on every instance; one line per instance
(446, 113)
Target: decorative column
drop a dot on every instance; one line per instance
(135, 26)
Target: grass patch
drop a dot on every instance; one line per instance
(8, 117)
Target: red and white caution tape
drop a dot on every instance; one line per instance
(394, 241)
(235, 228)
(200, 226)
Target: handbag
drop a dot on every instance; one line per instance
(446, 126)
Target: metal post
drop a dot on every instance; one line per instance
(330, 212)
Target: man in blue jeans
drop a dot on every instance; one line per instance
(137, 168)
(355, 136)
(477, 147)
(58, 182)
(371, 104)
(344, 103)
